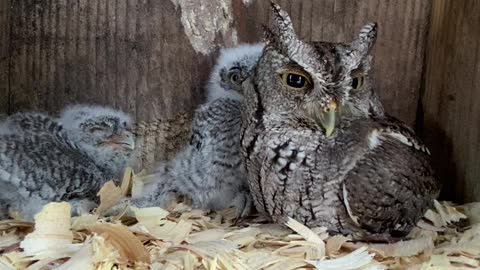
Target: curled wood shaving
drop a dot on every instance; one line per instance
(355, 260)
(83, 259)
(126, 185)
(404, 248)
(334, 243)
(123, 241)
(138, 182)
(185, 238)
(9, 239)
(304, 232)
(448, 213)
(109, 195)
(151, 216)
(52, 230)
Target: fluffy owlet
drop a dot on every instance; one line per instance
(209, 170)
(43, 159)
(32, 122)
(318, 147)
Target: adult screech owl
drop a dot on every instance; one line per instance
(318, 147)
(209, 170)
(43, 159)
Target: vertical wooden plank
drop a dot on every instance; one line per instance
(18, 76)
(398, 55)
(132, 54)
(111, 52)
(55, 94)
(143, 56)
(306, 20)
(451, 100)
(121, 53)
(4, 54)
(61, 96)
(72, 86)
(98, 59)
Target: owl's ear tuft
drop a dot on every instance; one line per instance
(366, 38)
(282, 23)
(274, 40)
(269, 37)
(281, 35)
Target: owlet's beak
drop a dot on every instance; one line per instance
(328, 117)
(125, 140)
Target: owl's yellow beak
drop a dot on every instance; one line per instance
(324, 116)
(328, 117)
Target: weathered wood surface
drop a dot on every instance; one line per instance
(151, 58)
(4, 53)
(134, 54)
(451, 102)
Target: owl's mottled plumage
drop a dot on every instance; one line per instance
(67, 159)
(32, 122)
(318, 146)
(209, 170)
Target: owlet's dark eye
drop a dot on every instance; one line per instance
(96, 129)
(234, 77)
(357, 82)
(295, 80)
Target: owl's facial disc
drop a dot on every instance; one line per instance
(110, 133)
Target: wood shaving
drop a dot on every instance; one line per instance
(109, 195)
(185, 238)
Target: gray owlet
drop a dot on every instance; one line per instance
(318, 148)
(31, 122)
(209, 170)
(43, 159)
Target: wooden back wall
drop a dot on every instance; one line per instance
(152, 58)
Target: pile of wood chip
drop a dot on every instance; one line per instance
(181, 238)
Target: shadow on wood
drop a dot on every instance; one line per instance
(452, 96)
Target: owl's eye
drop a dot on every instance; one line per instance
(295, 80)
(115, 128)
(96, 129)
(357, 82)
(234, 77)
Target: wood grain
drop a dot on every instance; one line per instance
(451, 102)
(4, 54)
(119, 53)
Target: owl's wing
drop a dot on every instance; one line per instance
(47, 167)
(393, 184)
(36, 123)
(391, 126)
